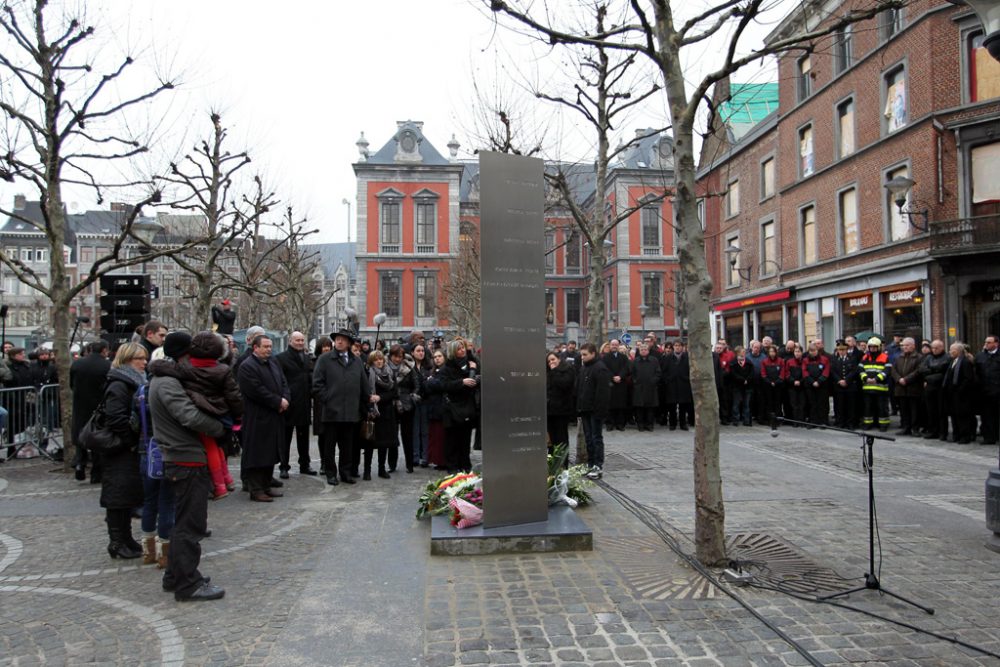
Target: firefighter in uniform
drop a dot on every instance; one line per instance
(875, 385)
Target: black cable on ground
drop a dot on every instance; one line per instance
(654, 523)
(887, 619)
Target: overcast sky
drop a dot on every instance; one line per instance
(298, 82)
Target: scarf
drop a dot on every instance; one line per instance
(136, 376)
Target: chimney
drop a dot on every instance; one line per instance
(20, 202)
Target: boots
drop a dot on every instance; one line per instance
(120, 534)
(163, 553)
(148, 549)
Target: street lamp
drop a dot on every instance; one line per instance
(347, 202)
(733, 254)
(145, 230)
(899, 187)
(988, 13)
(643, 309)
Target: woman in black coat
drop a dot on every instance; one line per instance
(459, 379)
(384, 384)
(560, 399)
(121, 484)
(645, 388)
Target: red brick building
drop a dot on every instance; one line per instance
(415, 207)
(824, 250)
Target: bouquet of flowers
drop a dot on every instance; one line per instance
(565, 485)
(437, 495)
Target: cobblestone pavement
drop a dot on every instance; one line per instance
(343, 576)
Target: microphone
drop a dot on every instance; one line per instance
(774, 425)
(83, 319)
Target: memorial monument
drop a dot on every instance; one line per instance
(516, 515)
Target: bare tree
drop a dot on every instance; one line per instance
(202, 183)
(64, 125)
(460, 294)
(650, 28)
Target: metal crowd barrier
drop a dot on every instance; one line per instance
(32, 425)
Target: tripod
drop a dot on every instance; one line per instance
(868, 456)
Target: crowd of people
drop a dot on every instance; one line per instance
(195, 401)
(192, 402)
(937, 392)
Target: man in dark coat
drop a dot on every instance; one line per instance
(297, 367)
(87, 376)
(341, 385)
(676, 369)
(153, 335)
(224, 318)
(932, 370)
(958, 389)
(909, 387)
(617, 363)
(645, 387)
(988, 372)
(266, 398)
(593, 394)
(844, 378)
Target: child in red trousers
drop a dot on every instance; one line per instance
(212, 387)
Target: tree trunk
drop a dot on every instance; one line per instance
(61, 302)
(710, 514)
(203, 300)
(595, 301)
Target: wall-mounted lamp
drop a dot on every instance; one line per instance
(733, 254)
(899, 188)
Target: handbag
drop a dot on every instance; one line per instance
(461, 412)
(154, 457)
(96, 436)
(368, 429)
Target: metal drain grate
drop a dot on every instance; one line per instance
(656, 573)
(777, 563)
(616, 462)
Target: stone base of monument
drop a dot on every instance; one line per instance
(564, 531)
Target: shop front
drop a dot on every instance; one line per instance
(903, 312)
(857, 314)
(742, 320)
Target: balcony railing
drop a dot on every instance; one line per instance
(393, 248)
(651, 251)
(425, 249)
(966, 236)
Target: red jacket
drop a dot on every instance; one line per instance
(726, 360)
(773, 370)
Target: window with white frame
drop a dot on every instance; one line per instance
(890, 22)
(894, 109)
(426, 227)
(806, 159)
(807, 230)
(651, 225)
(27, 256)
(844, 49)
(390, 294)
(573, 312)
(390, 224)
(899, 222)
(768, 249)
(550, 255)
(767, 178)
(847, 212)
(573, 250)
(804, 65)
(732, 268)
(652, 290)
(845, 128)
(733, 199)
(426, 293)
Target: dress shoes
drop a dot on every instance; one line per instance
(367, 477)
(283, 474)
(332, 480)
(384, 475)
(275, 484)
(172, 586)
(206, 591)
(307, 471)
(346, 480)
(275, 494)
(409, 468)
(261, 497)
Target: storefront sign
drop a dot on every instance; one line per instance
(903, 297)
(860, 301)
(753, 301)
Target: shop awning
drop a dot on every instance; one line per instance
(753, 301)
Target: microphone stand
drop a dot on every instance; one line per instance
(867, 448)
(75, 328)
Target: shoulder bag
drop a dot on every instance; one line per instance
(95, 434)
